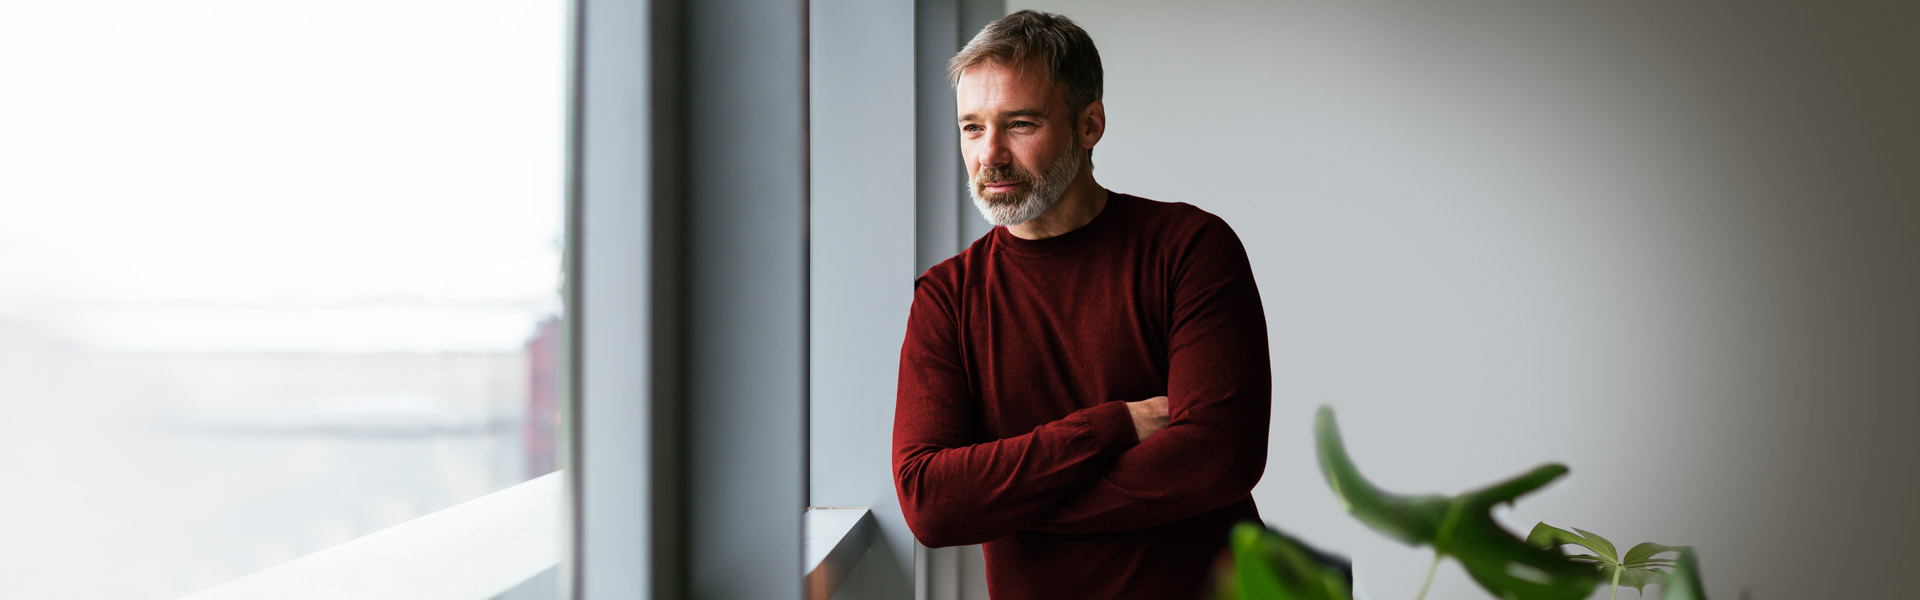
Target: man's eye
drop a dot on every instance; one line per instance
(969, 128)
(1021, 124)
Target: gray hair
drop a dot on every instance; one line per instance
(1054, 40)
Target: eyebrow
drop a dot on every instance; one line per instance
(1024, 112)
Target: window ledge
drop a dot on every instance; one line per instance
(471, 551)
(486, 546)
(836, 539)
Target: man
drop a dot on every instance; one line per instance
(1085, 390)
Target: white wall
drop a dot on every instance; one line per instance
(1672, 247)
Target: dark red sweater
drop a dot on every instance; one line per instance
(1010, 428)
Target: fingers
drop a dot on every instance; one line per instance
(1159, 405)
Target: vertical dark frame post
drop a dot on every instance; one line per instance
(687, 297)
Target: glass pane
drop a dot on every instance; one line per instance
(273, 276)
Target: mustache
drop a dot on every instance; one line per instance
(1002, 175)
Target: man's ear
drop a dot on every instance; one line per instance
(1092, 124)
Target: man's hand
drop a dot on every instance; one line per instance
(1149, 415)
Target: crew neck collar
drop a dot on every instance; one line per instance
(1066, 241)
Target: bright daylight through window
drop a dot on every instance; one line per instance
(273, 276)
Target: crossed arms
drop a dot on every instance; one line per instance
(1113, 466)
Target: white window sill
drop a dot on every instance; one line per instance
(836, 539)
(491, 544)
(472, 551)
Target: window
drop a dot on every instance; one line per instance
(272, 277)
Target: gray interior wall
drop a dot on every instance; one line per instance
(746, 208)
(1670, 246)
(862, 253)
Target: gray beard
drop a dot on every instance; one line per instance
(1045, 192)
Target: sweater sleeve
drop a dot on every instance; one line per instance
(1219, 391)
(956, 487)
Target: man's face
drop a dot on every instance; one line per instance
(1018, 141)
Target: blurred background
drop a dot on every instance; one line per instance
(272, 277)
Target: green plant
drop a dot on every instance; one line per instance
(1269, 565)
(1459, 526)
(1641, 565)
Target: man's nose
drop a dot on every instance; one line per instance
(993, 149)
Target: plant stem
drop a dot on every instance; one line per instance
(1616, 583)
(1429, 580)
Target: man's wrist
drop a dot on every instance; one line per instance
(1142, 424)
(1111, 424)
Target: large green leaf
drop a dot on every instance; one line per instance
(1412, 520)
(1459, 526)
(1637, 570)
(1548, 536)
(1644, 552)
(1269, 565)
(1600, 544)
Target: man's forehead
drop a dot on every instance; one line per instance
(1028, 73)
(992, 88)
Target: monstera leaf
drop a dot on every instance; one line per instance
(1459, 526)
(1640, 567)
(1269, 565)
